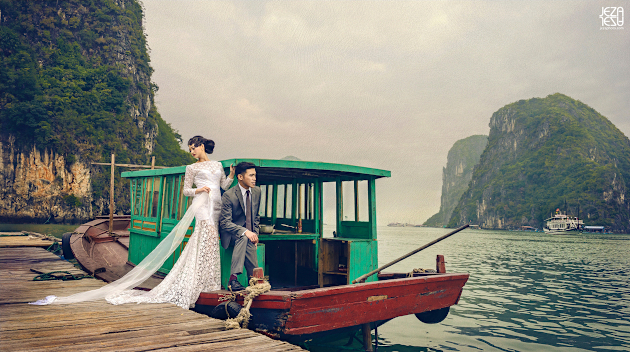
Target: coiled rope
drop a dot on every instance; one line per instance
(68, 276)
(254, 290)
(420, 271)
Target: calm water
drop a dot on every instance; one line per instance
(46, 229)
(526, 292)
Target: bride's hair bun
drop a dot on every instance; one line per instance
(208, 144)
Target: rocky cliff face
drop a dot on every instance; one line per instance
(462, 158)
(545, 154)
(42, 186)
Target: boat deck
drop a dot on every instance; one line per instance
(100, 326)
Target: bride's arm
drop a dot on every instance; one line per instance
(226, 182)
(188, 182)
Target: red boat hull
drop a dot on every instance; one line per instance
(324, 309)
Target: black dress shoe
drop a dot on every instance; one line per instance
(235, 286)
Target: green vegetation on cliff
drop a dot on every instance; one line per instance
(461, 159)
(75, 79)
(542, 153)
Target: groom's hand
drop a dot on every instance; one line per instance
(252, 236)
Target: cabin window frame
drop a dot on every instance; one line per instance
(148, 220)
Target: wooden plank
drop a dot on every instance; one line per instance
(106, 323)
(133, 165)
(69, 334)
(23, 241)
(274, 203)
(98, 325)
(82, 335)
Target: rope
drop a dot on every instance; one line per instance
(69, 276)
(416, 271)
(253, 290)
(230, 297)
(56, 249)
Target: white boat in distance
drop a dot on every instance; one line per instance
(560, 224)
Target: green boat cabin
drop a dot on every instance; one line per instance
(291, 191)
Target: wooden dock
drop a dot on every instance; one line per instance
(21, 239)
(100, 326)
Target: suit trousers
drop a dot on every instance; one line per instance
(244, 254)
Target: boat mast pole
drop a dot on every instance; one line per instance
(111, 183)
(111, 195)
(362, 278)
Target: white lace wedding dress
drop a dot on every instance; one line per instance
(197, 269)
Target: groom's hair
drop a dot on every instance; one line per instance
(243, 166)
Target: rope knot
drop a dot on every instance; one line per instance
(254, 290)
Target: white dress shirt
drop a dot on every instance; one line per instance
(244, 194)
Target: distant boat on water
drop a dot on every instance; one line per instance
(595, 229)
(400, 224)
(559, 224)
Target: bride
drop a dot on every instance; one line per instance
(198, 267)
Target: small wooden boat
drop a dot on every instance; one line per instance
(101, 253)
(311, 273)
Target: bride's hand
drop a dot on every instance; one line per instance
(231, 171)
(203, 189)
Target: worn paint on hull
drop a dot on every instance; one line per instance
(327, 309)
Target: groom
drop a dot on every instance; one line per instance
(239, 223)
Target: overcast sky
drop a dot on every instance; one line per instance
(382, 84)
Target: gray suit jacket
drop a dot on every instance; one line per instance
(232, 221)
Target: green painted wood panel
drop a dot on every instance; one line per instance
(372, 207)
(339, 207)
(356, 229)
(363, 259)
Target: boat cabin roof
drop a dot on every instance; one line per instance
(272, 170)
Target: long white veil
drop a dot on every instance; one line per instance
(147, 267)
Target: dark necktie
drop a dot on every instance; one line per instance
(248, 212)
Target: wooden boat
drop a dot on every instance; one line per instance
(310, 272)
(101, 253)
